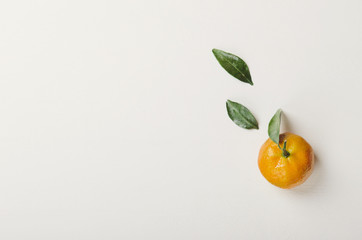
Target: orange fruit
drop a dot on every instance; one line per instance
(290, 171)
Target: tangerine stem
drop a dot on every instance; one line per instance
(285, 152)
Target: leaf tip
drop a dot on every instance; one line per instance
(229, 102)
(215, 51)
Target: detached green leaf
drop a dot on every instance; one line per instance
(274, 127)
(233, 65)
(241, 116)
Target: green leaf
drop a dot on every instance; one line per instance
(233, 65)
(241, 116)
(274, 127)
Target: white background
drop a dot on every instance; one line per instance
(113, 122)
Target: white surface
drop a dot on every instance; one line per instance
(113, 121)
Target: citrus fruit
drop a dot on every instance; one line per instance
(287, 167)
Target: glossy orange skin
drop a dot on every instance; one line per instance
(286, 172)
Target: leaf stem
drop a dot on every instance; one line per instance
(284, 150)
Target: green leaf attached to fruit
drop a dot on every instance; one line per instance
(274, 127)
